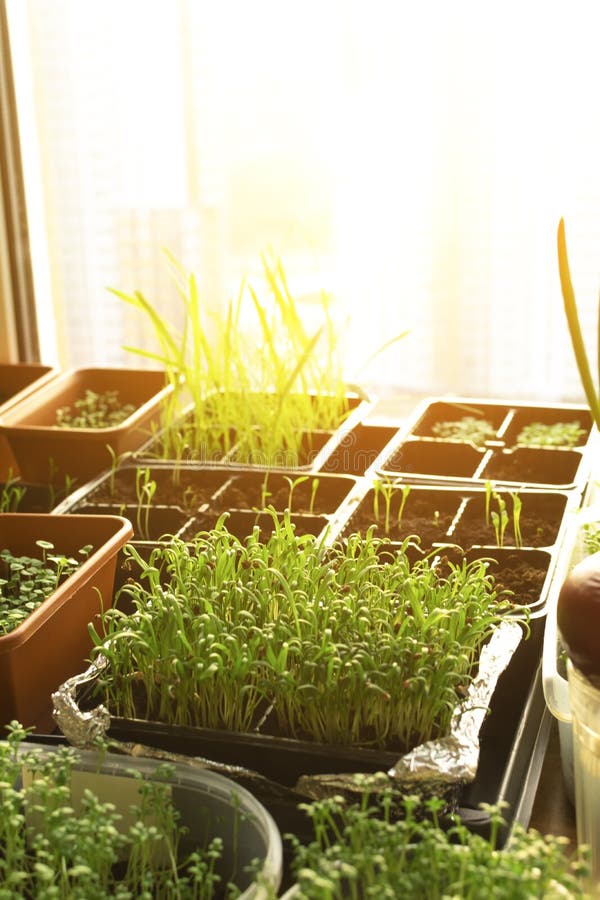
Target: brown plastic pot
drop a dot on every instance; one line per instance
(17, 380)
(53, 642)
(46, 452)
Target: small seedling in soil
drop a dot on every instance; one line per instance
(145, 490)
(11, 495)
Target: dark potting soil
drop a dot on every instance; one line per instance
(241, 498)
(520, 577)
(536, 531)
(427, 526)
(187, 494)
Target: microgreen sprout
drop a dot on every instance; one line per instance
(385, 489)
(489, 489)
(591, 537)
(343, 648)
(469, 428)
(314, 487)
(54, 846)
(11, 494)
(517, 505)
(94, 410)
(293, 483)
(392, 846)
(499, 519)
(25, 581)
(145, 488)
(405, 491)
(558, 434)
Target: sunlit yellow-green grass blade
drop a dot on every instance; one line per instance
(570, 306)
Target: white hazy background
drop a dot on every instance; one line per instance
(413, 159)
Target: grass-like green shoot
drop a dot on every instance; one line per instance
(570, 306)
(254, 397)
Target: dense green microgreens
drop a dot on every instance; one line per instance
(366, 850)
(47, 851)
(94, 410)
(25, 582)
(591, 537)
(469, 428)
(346, 647)
(258, 378)
(559, 434)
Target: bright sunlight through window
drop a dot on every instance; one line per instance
(413, 159)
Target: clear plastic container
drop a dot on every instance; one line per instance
(554, 673)
(585, 711)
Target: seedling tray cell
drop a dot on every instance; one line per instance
(431, 458)
(316, 445)
(539, 522)
(533, 466)
(427, 513)
(358, 449)
(242, 523)
(319, 493)
(160, 522)
(499, 456)
(440, 411)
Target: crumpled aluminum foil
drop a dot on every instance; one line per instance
(444, 763)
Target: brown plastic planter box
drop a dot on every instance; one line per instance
(47, 453)
(17, 380)
(53, 642)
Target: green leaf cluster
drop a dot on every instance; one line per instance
(350, 644)
(392, 847)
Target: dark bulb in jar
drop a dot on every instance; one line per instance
(578, 616)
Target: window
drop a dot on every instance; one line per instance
(412, 158)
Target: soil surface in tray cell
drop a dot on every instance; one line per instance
(299, 494)
(533, 466)
(242, 523)
(174, 487)
(427, 515)
(443, 418)
(539, 521)
(440, 458)
(521, 572)
(522, 577)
